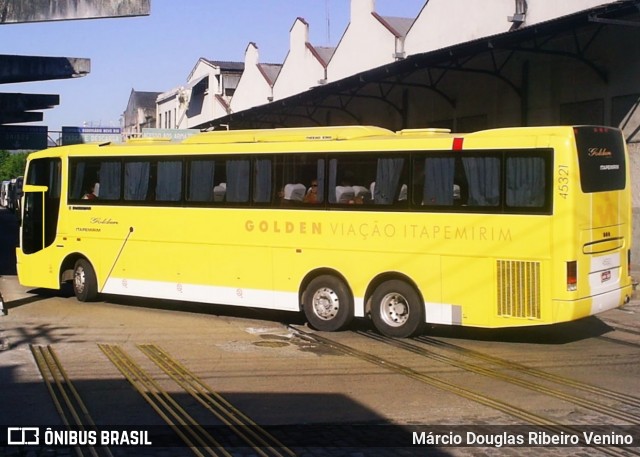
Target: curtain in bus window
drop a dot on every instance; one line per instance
(333, 179)
(54, 179)
(387, 180)
(320, 179)
(525, 181)
(483, 176)
(77, 190)
(109, 181)
(169, 182)
(262, 189)
(238, 178)
(201, 181)
(438, 180)
(136, 180)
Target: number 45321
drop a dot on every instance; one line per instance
(563, 181)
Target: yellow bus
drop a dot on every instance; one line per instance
(498, 228)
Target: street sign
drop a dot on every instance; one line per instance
(174, 134)
(80, 135)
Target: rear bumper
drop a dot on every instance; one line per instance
(564, 311)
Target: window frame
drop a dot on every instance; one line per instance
(321, 162)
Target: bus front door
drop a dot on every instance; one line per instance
(32, 237)
(37, 232)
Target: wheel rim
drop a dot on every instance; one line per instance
(79, 280)
(394, 310)
(325, 303)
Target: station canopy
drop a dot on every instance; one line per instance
(16, 108)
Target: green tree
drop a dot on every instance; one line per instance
(12, 165)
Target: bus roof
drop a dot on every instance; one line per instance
(353, 132)
(288, 135)
(439, 139)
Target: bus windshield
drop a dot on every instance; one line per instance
(601, 158)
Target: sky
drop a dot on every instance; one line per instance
(156, 53)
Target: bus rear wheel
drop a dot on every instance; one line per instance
(85, 284)
(327, 304)
(396, 309)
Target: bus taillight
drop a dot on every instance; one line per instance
(572, 275)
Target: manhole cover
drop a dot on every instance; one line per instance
(271, 344)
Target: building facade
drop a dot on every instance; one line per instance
(255, 87)
(207, 95)
(140, 113)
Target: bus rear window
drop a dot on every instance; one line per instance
(601, 158)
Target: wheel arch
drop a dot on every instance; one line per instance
(68, 265)
(311, 275)
(388, 276)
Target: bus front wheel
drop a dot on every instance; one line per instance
(396, 309)
(85, 284)
(327, 304)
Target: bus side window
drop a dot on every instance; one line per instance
(438, 181)
(389, 188)
(92, 179)
(169, 181)
(201, 188)
(136, 180)
(526, 186)
(352, 179)
(483, 178)
(262, 180)
(299, 180)
(109, 180)
(238, 180)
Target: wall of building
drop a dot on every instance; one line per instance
(301, 69)
(365, 37)
(170, 110)
(254, 88)
(544, 10)
(202, 105)
(443, 23)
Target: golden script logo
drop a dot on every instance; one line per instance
(600, 152)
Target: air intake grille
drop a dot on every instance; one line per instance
(518, 289)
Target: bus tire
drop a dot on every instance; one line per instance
(327, 304)
(85, 284)
(396, 309)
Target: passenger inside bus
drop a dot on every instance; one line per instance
(312, 194)
(92, 192)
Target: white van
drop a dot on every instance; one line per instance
(4, 194)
